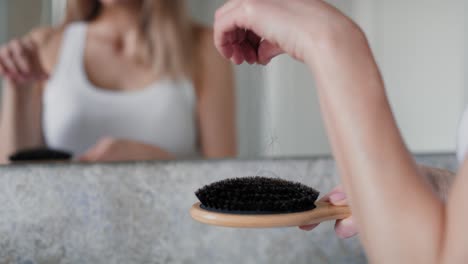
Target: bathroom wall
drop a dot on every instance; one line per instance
(18, 17)
(22, 16)
(57, 10)
(421, 48)
(3, 20)
(3, 27)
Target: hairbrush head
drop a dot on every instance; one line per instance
(40, 154)
(259, 202)
(257, 195)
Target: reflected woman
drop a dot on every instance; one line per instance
(118, 80)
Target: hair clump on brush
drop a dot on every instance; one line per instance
(257, 195)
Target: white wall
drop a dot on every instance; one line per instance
(57, 10)
(421, 49)
(3, 26)
(3, 20)
(18, 17)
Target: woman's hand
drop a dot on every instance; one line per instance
(20, 62)
(255, 31)
(111, 150)
(344, 228)
(440, 180)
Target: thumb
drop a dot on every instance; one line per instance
(267, 51)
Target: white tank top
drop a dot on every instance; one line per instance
(76, 114)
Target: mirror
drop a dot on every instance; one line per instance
(278, 113)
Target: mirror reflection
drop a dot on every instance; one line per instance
(120, 80)
(117, 80)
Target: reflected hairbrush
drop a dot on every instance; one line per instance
(40, 155)
(259, 202)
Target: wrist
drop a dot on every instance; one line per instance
(336, 40)
(20, 90)
(19, 84)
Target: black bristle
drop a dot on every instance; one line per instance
(257, 195)
(40, 154)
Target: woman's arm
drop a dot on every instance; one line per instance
(20, 125)
(216, 101)
(400, 218)
(23, 69)
(455, 238)
(113, 150)
(440, 180)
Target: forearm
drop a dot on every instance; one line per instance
(399, 217)
(20, 123)
(148, 152)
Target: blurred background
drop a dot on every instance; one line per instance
(421, 47)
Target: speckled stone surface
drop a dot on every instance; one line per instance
(138, 213)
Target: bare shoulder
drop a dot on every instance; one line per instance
(48, 40)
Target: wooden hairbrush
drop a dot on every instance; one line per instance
(259, 202)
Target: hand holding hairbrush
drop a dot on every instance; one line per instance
(259, 202)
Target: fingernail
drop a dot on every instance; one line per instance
(337, 197)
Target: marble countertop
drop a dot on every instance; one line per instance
(138, 213)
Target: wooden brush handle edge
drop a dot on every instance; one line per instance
(323, 212)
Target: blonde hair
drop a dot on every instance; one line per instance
(165, 28)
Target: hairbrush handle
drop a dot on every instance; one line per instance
(323, 212)
(326, 212)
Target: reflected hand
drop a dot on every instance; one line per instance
(111, 150)
(344, 228)
(255, 31)
(20, 62)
